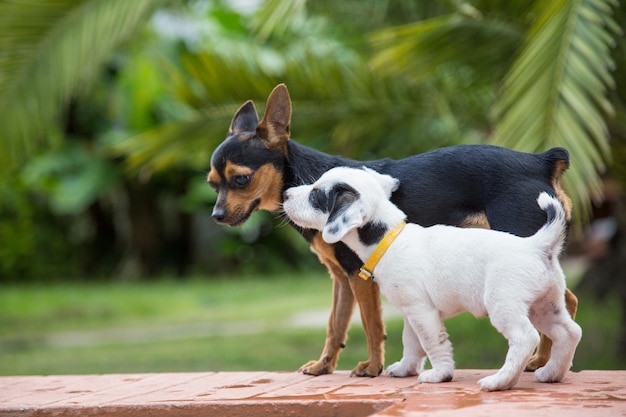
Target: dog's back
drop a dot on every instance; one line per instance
(455, 265)
(477, 185)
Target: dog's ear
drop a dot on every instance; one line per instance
(346, 214)
(389, 183)
(245, 120)
(274, 127)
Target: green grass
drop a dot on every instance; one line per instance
(225, 324)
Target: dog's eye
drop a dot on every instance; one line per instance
(241, 180)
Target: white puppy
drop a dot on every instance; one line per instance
(437, 272)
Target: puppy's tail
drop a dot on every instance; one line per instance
(552, 235)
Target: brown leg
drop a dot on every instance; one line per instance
(336, 332)
(542, 354)
(345, 290)
(367, 295)
(340, 313)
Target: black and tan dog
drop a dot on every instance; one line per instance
(469, 186)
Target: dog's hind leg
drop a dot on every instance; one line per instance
(338, 323)
(367, 295)
(556, 323)
(566, 334)
(542, 354)
(413, 355)
(512, 321)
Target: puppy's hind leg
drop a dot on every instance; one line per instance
(512, 322)
(542, 354)
(565, 334)
(413, 355)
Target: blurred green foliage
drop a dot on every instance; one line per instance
(110, 110)
(229, 324)
(33, 245)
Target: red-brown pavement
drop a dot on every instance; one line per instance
(584, 394)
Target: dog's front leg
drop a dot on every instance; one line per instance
(338, 323)
(428, 326)
(413, 354)
(367, 295)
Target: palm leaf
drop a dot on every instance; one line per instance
(555, 94)
(175, 144)
(49, 50)
(418, 50)
(276, 17)
(340, 105)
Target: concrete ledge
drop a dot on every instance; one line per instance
(587, 393)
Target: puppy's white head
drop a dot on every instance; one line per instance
(342, 199)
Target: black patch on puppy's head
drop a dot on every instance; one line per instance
(333, 201)
(340, 197)
(319, 200)
(341, 202)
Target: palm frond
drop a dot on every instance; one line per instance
(555, 94)
(186, 143)
(340, 105)
(277, 16)
(48, 51)
(417, 50)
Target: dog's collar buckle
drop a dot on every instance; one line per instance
(365, 274)
(367, 270)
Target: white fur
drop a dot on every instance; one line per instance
(437, 272)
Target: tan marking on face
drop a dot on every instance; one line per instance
(557, 182)
(478, 220)
(266, 184)
(213, 177)
(230, 170)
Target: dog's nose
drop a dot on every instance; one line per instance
(219, 214)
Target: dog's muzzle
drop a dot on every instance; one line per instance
(219, 215)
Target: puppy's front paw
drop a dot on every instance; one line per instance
(434, 376)
(367, 368)
(401, 369)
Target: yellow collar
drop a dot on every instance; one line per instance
(367, 270)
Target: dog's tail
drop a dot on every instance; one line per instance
(557, 160)
(552, 234)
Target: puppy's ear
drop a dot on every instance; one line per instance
(245, 120)
(389, 183)
(274, 127)
(346, 214)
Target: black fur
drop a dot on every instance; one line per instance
(446, 185)
(340, 197)
(251, 153)
(371, 233)
(443, 186)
